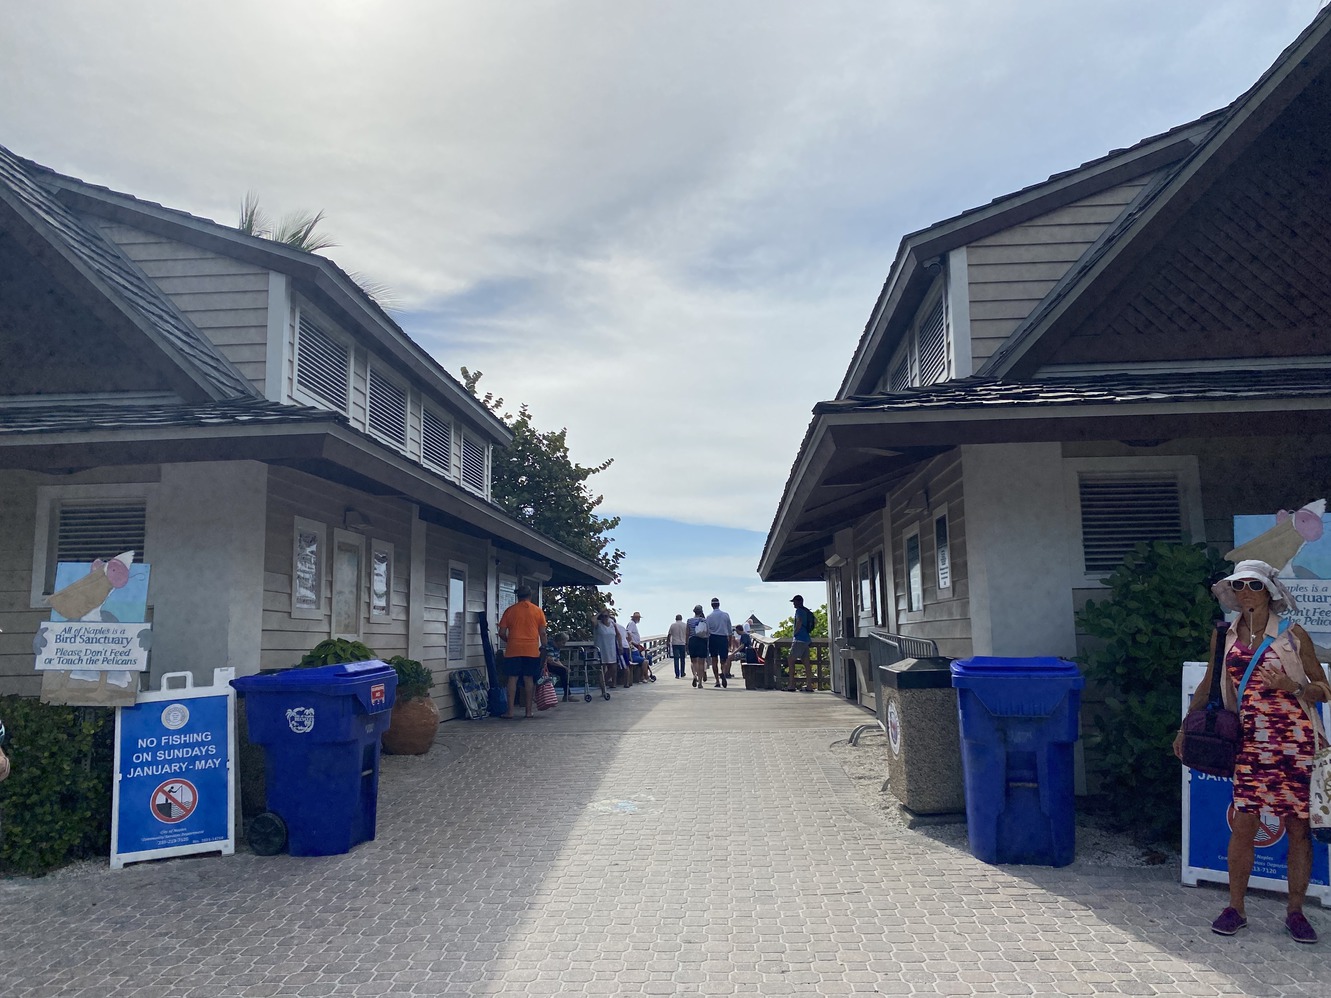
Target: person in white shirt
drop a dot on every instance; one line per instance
(718, 642)
(677, 637)
(636, 644)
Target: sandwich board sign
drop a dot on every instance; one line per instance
(175, 791)
(1206, 809)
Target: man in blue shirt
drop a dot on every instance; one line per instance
(799, 647)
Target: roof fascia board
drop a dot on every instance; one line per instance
(966, 228)
(183, 375)
(1256, 109)
(316, 271)
(306, 440)
(814, 454)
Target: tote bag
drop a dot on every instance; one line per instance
(1319, 795)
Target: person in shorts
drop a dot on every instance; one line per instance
(799, 647)
(698, 647)
(718, 642)
(523, 630)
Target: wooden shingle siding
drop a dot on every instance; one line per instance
(945, 620)
(18, 504)
(292, 494)
(225, 298)
(1010, 272)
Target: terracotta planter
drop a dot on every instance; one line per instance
(412, 728)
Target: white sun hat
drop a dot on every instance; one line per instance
(1282, 600)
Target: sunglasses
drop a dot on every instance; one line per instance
(1238, 585)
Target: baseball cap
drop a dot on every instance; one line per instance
(797, 599)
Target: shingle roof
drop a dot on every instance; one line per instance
(121, 277)
(1108, 388)
(66, 418)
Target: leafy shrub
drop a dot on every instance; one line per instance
(56, 805)
(1157, 617)
(413, 679)
(335, 651)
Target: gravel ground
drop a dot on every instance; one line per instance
(1097, 847)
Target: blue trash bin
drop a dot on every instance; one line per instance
(1018, 720)
(320, 731)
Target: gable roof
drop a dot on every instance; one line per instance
(920, 252)
(327, 284)
(120, 282)
(1176, 190)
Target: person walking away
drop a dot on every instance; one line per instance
(799, 647)
(1277, 709)
(718, 642)
(698, 646)
(677, 637)
(523, 630)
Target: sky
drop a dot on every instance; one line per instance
(661, 225)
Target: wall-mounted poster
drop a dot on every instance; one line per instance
(1300, 545)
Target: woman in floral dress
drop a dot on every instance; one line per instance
(1278, 712)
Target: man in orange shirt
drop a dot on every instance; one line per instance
(522, 628)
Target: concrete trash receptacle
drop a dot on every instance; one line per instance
(924, 744)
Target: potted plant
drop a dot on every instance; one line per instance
(415, 718)
(336, 651)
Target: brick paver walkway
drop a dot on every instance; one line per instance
(670, 842)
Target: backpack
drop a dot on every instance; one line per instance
(808, 620)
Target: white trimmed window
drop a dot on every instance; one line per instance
(437, 442)
(386, 407)
(475, 465)
(1120, 503)
(914, 572)
(83, 523)
(457, 612)
(323, 365)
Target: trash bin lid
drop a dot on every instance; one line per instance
(917, 673)
(320, 679)
(992, 667)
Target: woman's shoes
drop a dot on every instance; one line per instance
(695, 682)
(1230, 921)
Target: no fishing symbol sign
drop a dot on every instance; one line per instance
(174, 801)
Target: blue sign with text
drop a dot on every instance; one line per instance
(173, 775)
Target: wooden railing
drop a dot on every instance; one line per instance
(775, 651)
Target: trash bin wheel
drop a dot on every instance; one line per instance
(587, 698)
(267, 834)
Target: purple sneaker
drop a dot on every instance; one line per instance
(1229, 922)
(1299, 928)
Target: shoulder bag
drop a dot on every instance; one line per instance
(1213, 734)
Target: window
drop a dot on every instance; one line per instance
(457, 613)
(323, 365)
(387, 408)
(942, 552)
(307, 569)
(436, 443)
(83, 523)
(914, 573)
(473, 464)
(348, 558)
(507, 594)
(381, 580)
(1119, 512)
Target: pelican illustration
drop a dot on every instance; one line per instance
(83, 596)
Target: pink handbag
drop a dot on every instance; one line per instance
(546, 697)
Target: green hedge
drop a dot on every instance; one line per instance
(56, 805)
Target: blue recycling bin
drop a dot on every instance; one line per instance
(320, 731)
(1018, 719)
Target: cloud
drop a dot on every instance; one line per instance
(662, 225)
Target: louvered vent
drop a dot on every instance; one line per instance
(900, 379)
(104, 530)
(437, 442)
(933, 346)
(388, 408)
(322, 365)
(1119, 512)
(473, 464)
